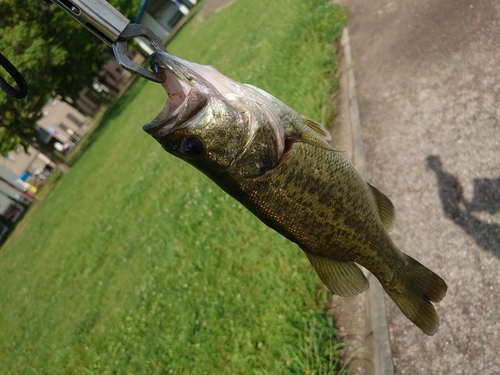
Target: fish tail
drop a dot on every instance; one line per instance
(413, 290)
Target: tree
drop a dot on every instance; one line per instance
(56, 56)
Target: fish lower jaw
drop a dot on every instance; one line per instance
(177, 116)
(178, 93)
(162, 119)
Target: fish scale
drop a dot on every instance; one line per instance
(313, 209)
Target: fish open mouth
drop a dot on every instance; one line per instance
(184, 101)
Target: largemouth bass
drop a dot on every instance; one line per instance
(280, 166)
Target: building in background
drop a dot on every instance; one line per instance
(22, 172)
(106, 85)
(10, 213)
(16, 194)
(161, 16)
(61, 125)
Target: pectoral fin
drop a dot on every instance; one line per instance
(385, 208)
(309, 131)
(342, 278)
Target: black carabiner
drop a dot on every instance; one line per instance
(22, 91)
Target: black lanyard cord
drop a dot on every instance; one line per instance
(22, 91)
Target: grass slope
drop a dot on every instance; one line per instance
(138, 264)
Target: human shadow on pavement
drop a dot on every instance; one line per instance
(486, 199)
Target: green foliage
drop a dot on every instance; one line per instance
(55, 55)
(128, 8)
(138, 264)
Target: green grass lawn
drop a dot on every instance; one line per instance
(138, 264)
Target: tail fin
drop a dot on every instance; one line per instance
(414, 290)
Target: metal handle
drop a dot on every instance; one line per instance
(98, 16)
(113, 28)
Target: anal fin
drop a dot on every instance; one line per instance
(342, 278)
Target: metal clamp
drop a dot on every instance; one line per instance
(113, 28)
(134, 30)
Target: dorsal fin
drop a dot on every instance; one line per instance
(385, 208)
(318, 128)
(342, 278)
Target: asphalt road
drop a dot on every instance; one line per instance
(428, 84)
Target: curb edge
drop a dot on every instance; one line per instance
(377, 338)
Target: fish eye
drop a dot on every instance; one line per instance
(192, 146)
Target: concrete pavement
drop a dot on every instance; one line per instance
(428, 84)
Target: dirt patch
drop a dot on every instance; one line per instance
(214, 6)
